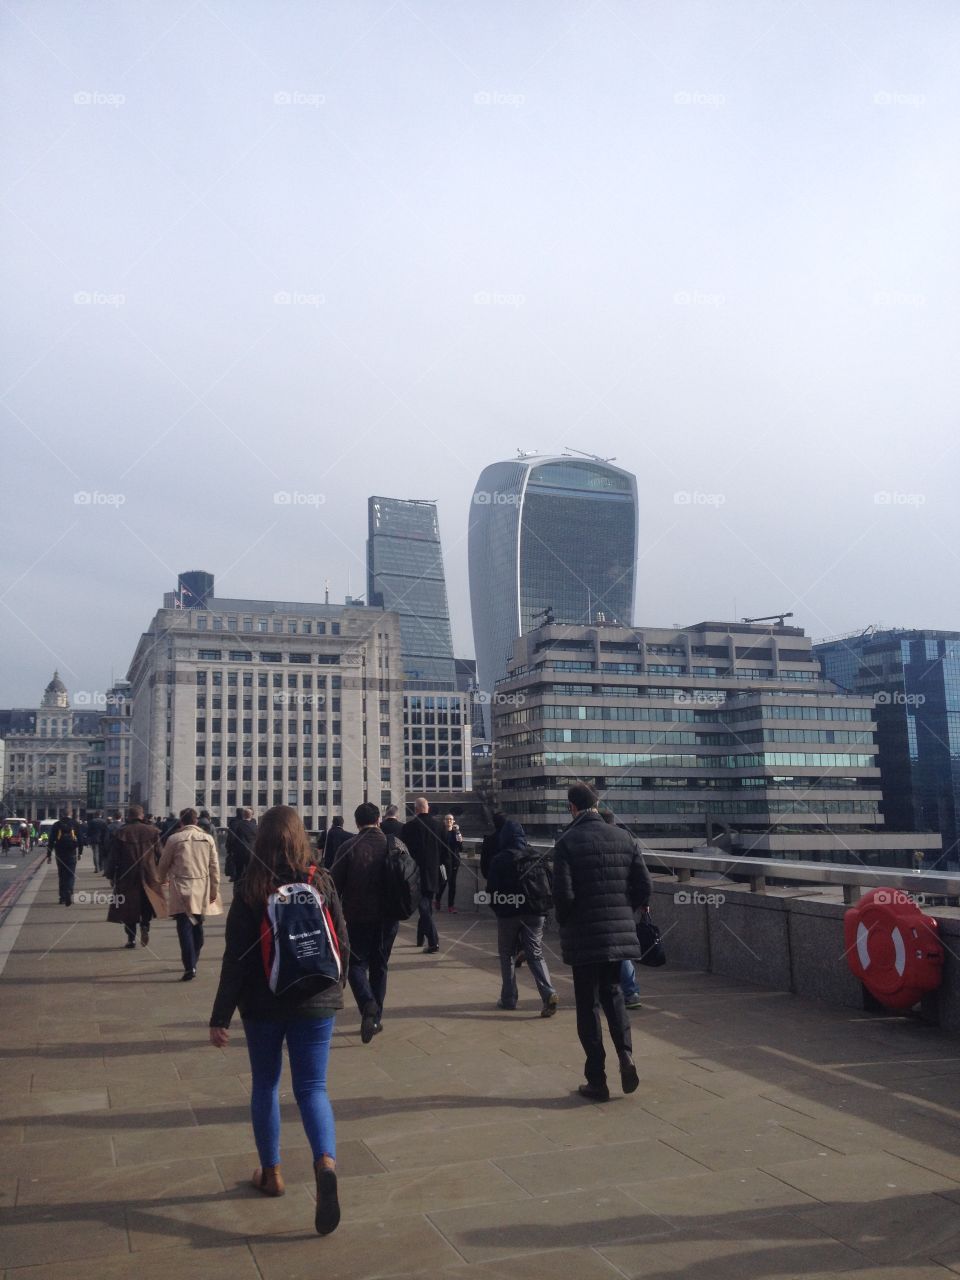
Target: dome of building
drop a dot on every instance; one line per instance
(55, 694)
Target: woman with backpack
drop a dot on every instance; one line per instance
(286, 992)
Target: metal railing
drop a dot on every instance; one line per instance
(759, 871)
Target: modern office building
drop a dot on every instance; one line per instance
(405, 576)
(550, 537)
(46, 752)
(265, 702)
(724, 732)
(437, 743)
(912, 677)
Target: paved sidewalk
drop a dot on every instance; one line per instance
(770, 1137)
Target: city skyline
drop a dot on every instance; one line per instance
(263, 263)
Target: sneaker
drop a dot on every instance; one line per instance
(633, 1002)
(550, 1006)
(452, 911)
(130, 946)
(429, 951)
(368, 1024)
(189, 975)
(629, 1078)
(594, 1092)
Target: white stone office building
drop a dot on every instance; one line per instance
(46, 757)
(725, 731)
(264, 702)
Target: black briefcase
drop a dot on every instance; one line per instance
(648, 935)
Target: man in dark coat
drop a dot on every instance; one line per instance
(241, 837)
(359, 874)
(131, 863)
(336, 838)
(490, 844)
(519, 923)
(97, 839)
(425, 840)
(599, 883)
(65, 845)
(391, 824)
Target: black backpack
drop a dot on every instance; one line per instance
(401, 882)
(534, 877)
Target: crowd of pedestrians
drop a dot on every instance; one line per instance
(305, 923)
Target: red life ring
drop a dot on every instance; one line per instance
(893, 948)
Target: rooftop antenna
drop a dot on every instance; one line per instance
(326, 591)
(594, 457)
(770, 617)
(526, 453)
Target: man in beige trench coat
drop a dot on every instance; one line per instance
(190, 868)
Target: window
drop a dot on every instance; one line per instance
(303, 658)
(271, 657)
(201, 622)
(207, 655)
(291, 626)
(328, 659)
(239, 655)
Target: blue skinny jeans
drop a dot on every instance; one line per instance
(308, 1045)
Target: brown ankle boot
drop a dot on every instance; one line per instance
(328, 1206)
(268, 1180)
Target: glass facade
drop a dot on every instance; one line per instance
(405, 574)
(913, 677)
(548, 533)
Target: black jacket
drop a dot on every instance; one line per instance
(392, 827)
(334, 840)
(488, 850)
(243, 982)
(359, 874)
(240, 841)
(64, 837)
(428, 848)
(599, 881)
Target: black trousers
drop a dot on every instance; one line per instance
(66, 876)
(426, 929)
(191, 940)
(370, 948)
(596, 987)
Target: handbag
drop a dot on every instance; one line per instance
(651, 943)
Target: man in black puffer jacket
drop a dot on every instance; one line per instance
(599, 882)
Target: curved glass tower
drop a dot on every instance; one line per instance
(556, 533)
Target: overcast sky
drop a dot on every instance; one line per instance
(335, 249)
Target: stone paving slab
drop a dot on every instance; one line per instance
(770, 1137)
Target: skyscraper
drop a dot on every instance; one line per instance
(549, 537)
(913, 677)
(405, 575)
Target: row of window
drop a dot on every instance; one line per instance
(669, 760)
(723, 808)
(245, 655)
(294, 680)
(294, 626)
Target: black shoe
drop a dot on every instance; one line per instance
(501, 1005)
(378, 1028)
(549, 1006)
(130, 946)
(429, 951)
(595, 1092)
(189, 975)
(628, 1074)
(368, 1024)
(328, 1206)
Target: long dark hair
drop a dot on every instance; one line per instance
(282, 853)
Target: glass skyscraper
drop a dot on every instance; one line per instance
(549, 537)
(405, 574)
(913, 677)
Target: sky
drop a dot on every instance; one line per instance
(326, 250)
